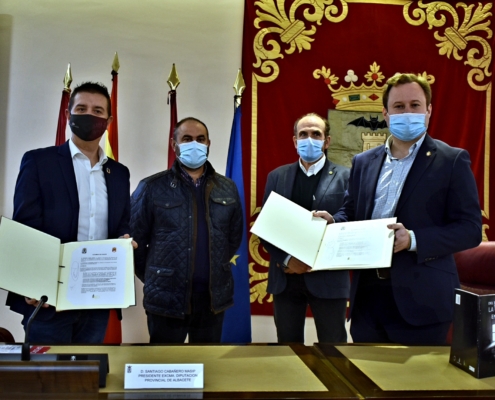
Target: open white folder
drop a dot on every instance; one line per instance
(77, 275)
(346, 245)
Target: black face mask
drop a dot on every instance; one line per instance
(87, 127)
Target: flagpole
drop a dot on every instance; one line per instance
(64, 104)
(114, 327)
(173, 82)
(112, 138)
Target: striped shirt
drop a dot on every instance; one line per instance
(391, 181)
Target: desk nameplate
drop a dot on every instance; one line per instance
(164, 376)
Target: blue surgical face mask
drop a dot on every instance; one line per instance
(407, 126)
(310, 150)
(193, 154)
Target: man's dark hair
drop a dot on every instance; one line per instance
(91, 87)
(178, 125)
(325, 121)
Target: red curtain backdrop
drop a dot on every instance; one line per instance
(282, 47)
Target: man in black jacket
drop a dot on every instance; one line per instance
(189, 221)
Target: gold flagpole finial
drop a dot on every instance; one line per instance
(68, 79)
(116, 64)
(173, 79)
(239, 87)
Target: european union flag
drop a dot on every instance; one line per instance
(237, 320)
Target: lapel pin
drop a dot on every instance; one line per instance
(108, 170)
(330, 173)
(428, 153)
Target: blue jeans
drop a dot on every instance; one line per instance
(74, 326)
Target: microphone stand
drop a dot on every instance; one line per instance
(25, 354)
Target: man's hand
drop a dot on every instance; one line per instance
(402, 237)
(35, 302)
(325, 215)
(296, 266)
(127, 236)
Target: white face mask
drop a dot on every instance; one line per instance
(193, 154)
(310, 150)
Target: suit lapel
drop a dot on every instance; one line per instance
(426, 155)
(326, 179)
(288, 179)
(110, 182)
(67, 168)
(370, 180)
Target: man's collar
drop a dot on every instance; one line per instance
(314, 168)
(412, 149)
(74, 150)
(188, 177)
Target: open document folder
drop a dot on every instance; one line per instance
(345, 245)
(77, 275)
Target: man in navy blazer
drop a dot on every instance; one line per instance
(430, 188)
(315, 183)
(73, 192)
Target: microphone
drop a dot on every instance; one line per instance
(25, 355)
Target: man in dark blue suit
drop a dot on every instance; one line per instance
(430, 188)
(315, 183)
(73, 192)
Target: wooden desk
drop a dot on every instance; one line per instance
(334, 387)
(368, 389)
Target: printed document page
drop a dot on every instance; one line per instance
(357, 245)
(290, 227)
(97, 274)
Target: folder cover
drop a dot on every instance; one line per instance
(76, 275)
(344, 245)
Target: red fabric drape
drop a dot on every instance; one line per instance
(62, 119)
(366, 33)
(173, 120)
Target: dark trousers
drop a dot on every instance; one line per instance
(290, 313)
(376, 319)
(202, 325)
(74, 326)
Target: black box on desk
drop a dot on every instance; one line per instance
(473, 336)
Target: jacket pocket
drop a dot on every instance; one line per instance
(226, 201)
(169, 214)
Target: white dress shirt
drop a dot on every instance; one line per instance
(315, 168)
(92, 194)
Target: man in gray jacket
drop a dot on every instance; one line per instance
(188, 221)
(317, 184)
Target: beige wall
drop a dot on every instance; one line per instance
(39, 37)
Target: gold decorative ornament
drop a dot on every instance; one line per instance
(173, 79)
(288, 30)
(460, 37)
(358, 98)
(68, 79)
(258, 290)
(484, 236)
